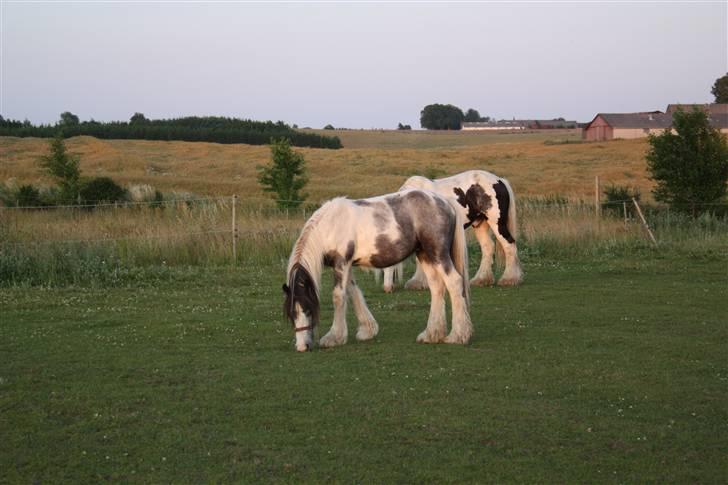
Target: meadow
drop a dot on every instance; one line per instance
(145, 354)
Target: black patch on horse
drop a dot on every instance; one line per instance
(302, 290)
(476, 201)
(504, 202)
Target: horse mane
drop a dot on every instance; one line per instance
(308, 251)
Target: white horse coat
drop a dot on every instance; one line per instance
(484, 197)
(379, 232)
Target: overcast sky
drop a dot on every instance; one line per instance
(356, 65)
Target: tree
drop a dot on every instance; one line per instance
(138, 119)
(720, 89)
(400, 126)
(285, 176)
(441, 117)
(68, 119)
(689, 163)
(63, 167)
(472, 115)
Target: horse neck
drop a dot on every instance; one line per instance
(308, 250)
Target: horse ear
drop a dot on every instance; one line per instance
(461, 196)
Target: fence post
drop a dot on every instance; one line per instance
(624, 206)
(644, 222)
(597, 206)
(235, 231)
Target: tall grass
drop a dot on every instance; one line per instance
(117, 245)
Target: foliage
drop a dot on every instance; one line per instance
(101, 189)
(28, 196)
(616, 195)
(64, 168)
(285, 176)
(441, 117)
(472, 115)
(720, 89)
(211, 129)
(329, 127)
(689, 165)
(68, 119)
(138, 119)
(400, 126)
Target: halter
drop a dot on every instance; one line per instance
(481, 217)
(301, 329)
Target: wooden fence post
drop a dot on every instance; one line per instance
(597, 205)
(235, 231)
(644, 222)
(624, 206)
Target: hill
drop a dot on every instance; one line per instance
(371, 162)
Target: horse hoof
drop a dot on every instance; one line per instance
(368, 332)
(331, 341)
(415, 285)
(424, 338)
(482, 281)
(509, 281)
(457, 339)
(388, 289)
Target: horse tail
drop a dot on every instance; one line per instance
(459, 249)
(511, 222)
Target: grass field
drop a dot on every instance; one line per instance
(378, 163)
(596, 370)
(145, 356)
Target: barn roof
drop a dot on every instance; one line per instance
(636, 120)
(712, 108)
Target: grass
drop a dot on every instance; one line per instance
(378, 163)
(150, 358)
(596, 369)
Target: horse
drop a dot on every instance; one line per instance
(379, 232)
(488, 199)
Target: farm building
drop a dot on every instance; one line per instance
(608, 126)
(518, 124)
(493, 125)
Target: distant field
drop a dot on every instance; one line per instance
(372, 162)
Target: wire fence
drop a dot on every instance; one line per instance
(262, 207)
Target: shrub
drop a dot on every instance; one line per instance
(28, 196)
(616, 195)
(101, 189)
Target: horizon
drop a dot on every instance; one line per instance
(356, 65)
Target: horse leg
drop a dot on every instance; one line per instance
(436, 322)
(462, 327)
(338, 333)
(484, 275)
(368, 327)
(419, 280)
(512, 274)
(388, 279)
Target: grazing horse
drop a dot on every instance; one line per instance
(376, 233)
(488, 203)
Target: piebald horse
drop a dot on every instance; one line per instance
(489, 204)
(376, 233)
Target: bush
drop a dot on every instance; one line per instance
(616, 195)
(28, 196)
(101, 189)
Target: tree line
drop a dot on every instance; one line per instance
(215, 129)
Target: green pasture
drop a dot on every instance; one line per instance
(610, 368)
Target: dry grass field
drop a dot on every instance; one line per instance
(371, 162)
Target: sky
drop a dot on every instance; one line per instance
(356, 65)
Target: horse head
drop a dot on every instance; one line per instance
(301, 306)
(476, 201)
